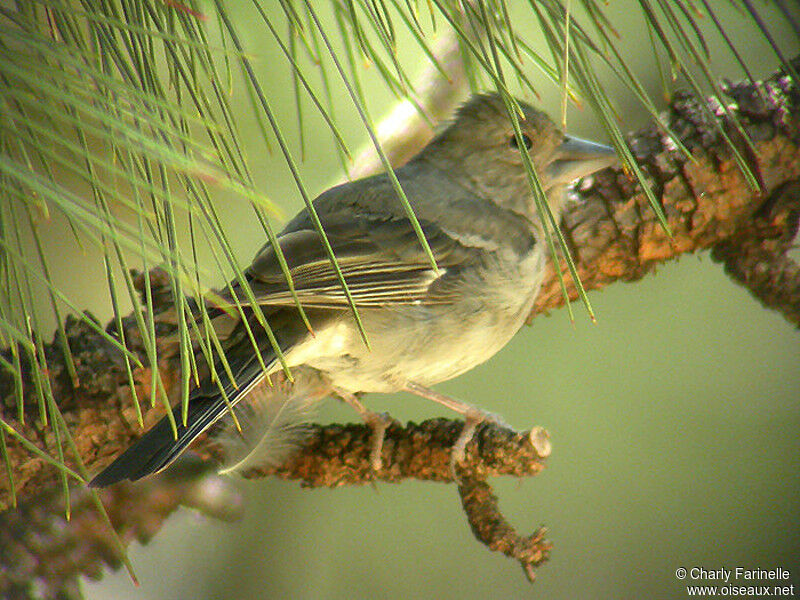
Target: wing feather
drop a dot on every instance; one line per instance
(381, 261)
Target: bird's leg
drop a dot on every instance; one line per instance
(472, 418)
(377, 422)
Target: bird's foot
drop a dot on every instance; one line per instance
(377, 422)
(472, 418)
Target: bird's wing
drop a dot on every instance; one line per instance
(381, 260)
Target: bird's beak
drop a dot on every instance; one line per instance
(576, 158)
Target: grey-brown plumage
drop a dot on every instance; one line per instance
(470, 192)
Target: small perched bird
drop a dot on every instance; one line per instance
(470, 192)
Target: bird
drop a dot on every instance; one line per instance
(470, 192)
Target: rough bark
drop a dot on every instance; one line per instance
(614, 235)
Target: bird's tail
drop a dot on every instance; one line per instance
(159, 446)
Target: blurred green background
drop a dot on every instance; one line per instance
(674, 419)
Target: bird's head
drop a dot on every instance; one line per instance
(480, 150)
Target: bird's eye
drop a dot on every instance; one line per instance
(512, 141)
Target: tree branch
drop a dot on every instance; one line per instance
(614, 235)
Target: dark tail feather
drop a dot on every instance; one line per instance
(158, 447)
